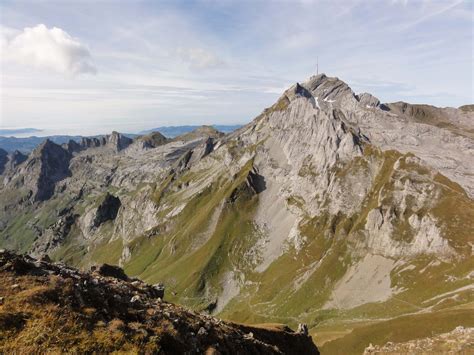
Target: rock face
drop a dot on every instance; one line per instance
(72, 146)
(15, 159)
(368, 100)
(353, 206)
(87, 142)
(97, 312)
(202, 150)
(47, 165)
(152, 140)
(118, 141)
(8, 162)
(3, 160)
(115, 141)
(107, 210)
(55, 235)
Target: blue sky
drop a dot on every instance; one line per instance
(87, 67)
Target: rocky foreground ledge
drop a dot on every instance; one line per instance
(47, 306)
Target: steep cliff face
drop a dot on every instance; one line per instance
(3, 160)
(47, 165)
(329, 209)
(15, 159)
(115, 141)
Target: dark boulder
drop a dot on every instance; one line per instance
(112, 271)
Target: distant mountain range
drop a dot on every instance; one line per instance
(15, 131)
(174, 131)
(27, 144)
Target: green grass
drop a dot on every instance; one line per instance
(174, 257)
(18, 235)
(107, 251)
(399, 330)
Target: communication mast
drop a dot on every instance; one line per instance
(317, 65)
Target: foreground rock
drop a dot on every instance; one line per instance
(51, 307)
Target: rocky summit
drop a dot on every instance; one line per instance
(329, 209)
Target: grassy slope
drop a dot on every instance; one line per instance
(398, 330)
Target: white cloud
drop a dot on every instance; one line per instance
(41, 47)
(199, 58)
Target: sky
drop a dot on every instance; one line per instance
(93, 66)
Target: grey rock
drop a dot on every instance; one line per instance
(45, 167)
(107, 210)
(368, 100)
(3, 160)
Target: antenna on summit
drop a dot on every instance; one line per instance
(317, 65)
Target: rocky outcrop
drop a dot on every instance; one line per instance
(107, 210)
(15, 159)
(97, 312)
(3, 160)
(150, 141)
(206, 148)
(53, 237)
(253, 184)
(111, 271)
(368, 100)
(115, 141)
(72, 146)
(118, 141)
(203, 132)
(46, 166)
(92, 142)
(201, 151)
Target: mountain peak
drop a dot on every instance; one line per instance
(45, 145)
(48, 164)
(327, 88)
(201, 132)
(118, 141)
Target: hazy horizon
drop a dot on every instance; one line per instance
(30, 132)
(93, 67)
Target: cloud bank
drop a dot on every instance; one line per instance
(44, 48)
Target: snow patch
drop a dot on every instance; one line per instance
(316, 102)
